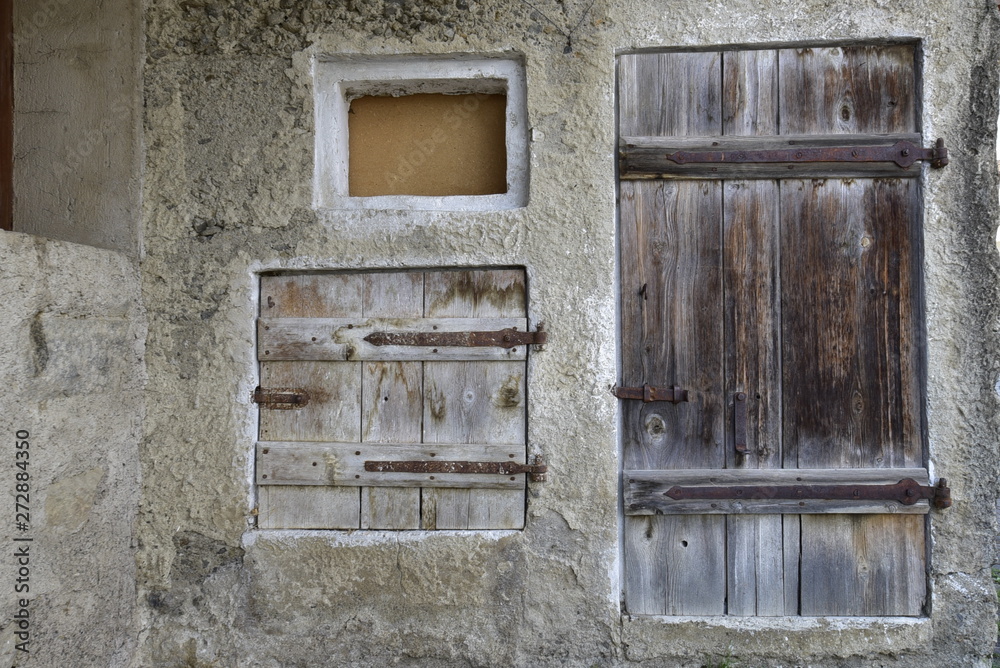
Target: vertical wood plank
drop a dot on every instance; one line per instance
(755, 544)
(466, 402)
(307, 507)
(391, 399)
(755, 565)
(863, 565)
(753, 320)
(672, 333)
(334, 409)
(792, 538)
(6, 114)
(847, 90)
(675, 565)
(850, 327)
(750, 93)
(670, 94)
(672, 321)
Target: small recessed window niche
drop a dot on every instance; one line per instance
(444, 133)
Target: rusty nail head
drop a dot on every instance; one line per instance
(265, 451)
(264, 476)
(314, 463)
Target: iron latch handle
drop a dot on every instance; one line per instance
(536, 471)
(648, 394)
(740, 420)
(504, 338)
(280, 398)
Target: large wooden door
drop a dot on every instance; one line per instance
(368, 399)
(785, 299)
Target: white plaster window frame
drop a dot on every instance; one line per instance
(339, 80)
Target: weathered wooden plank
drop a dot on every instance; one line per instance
(753, 320)
(474, 402)
(308, 507)
(297, 463)
(763, 142)
(863, 565)
(670, 93)
(791, 534)
(818, 476)
(847, 89)
(675, 565)
(645, 491)
(750, 93)
(392, 399)
(333, 413)
(850, 325)
(485, 293)
(752, 312)
(343, 339)
(647, 157)
(468, 402)
(755, 565)
(672, 329)
(672, 335)
(334, 409)
(311, 295)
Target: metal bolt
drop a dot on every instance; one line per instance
(906, 151)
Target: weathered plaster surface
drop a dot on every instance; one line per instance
(77, 116)
(71, 368)
(228, 191)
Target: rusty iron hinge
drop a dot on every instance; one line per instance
(647, 394)
(536, 471)
(280, 398)
(907, 492)
(903, 153)
(504, 338)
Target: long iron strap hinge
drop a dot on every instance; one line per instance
(903, 153)
(648, 393)
(906, 492)
(536, 470)
(504, 338)
(280, 398)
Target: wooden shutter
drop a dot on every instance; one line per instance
(803, 292)
(369, 402)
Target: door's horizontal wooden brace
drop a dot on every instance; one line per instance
(504, 338)
(347, 339)
(302, 463)
(777, 156)
(536, 471)
(648, 393)
(770, 491)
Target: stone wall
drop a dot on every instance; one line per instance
(71, 368)
(228, 191)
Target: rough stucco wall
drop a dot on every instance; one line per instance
(76, 121)
(71, 369)
(228, 186)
